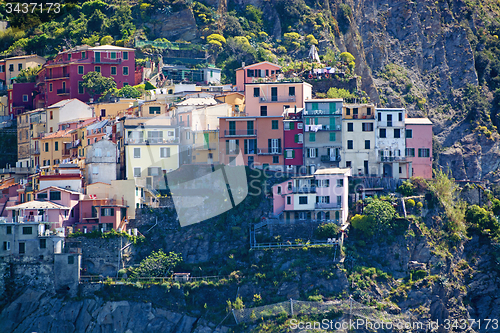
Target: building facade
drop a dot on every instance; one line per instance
(101, 162)
(418, 135)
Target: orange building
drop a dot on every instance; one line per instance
(258, 139)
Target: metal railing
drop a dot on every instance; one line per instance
(151, 141)
(62, 91)
(327, 158)
(322, 205)
(34, 151)
(276, 99)
(247, 132)
(52, 77)
(304, 189)
(107, 61)
(269, 151)
(322, 112)
(392, 158)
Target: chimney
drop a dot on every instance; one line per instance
(243, 64)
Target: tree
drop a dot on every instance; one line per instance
(381, 211)
(28, 74)
(311, 40)
(407, 188)
(158, 264)
(96, 84)
(365, 224)
(327, 230)
(129, 92)
(339, 93)
(107, 40)
(481, 219)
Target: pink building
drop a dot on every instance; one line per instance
(21, 98)
(321, 197)
(62, 77)
(293, 138)
(102, 215)
(272, 98)
(418, 134)
(258, 139)
(251, 73)
(63, 197)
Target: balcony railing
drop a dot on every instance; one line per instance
(313, 128)
(269, 151)
(322, 112)
(247, 132)
(107, 61)
(392, 158)
(63, 91)
(105, 202)
(151, 141)
(304, 189)
(390, 124)
(327, 158)
(210, 146)
(35, 151)
(323, 205)
(276, 99)
(55, 77)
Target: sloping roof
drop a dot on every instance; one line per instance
(333, 171)
(58, 134)
(59, 189)
(198, 101)
(418, 121)
(259, 63)
(35, 204)
(110, 48)
(97, 125)
(24, 57)
(62, 103)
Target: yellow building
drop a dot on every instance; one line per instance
(236, 100)
(112, 110)
(37, 120)
(55, 148)
(14, 65)
(151, 149)
(23, 141)
(206, 147)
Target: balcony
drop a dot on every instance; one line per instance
(314, 128)
(107, 61)
(269, 151)
(247, 132)
(399, 124)
(137, 141)
(304, 189)
(323, 205)
(66, 152)
(35, 151)
(322, 112)
(327, 158)
(57, 77)
(210, 146)
(392, 158)
(63, 91)
(277, 99)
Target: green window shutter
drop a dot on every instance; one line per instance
(245, 146)
(207, 140)
(332, 122)
(308, 153)
(312, 137)
(316, 149)
(315, 106)
(296, 138)
(332, 136)
(237, 146)
(332, 108)
(315, 121)
(292, 125)
(293, 153)
(227, 146)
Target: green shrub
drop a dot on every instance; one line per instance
(410, 203)
(420, 205)
(406, 189)
(327, 230)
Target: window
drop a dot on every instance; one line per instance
(276, 159)
(43, 243)
(379, 116)
(400, 170)
(155, 110)
(409, 133)
(69, 56)
(311, 152)
(11, 67)
(299, 138)
(137, 172)
(80, 70)
(340, 183)
(56, 146)
(50, 87)
(164, 152)
(81, 89)
(348, 164)
(367, 127)
(369, 111)
(289, 153)
(55, 195)
(9, 230)
(367, 144)
(256, 92)
(6, 246)
(125, 70)
(42, 196)
(22, 248)
(423, 152)
(84, 55)
(347, 111)
(154, 171)
(339, 202)
(302, 200)
(410, 152)
(274, 124)
(288, 200)
(300, 125)
(125, 55)
(27, 230)
(95, 170)
(382, 133)
(350, 127)
(291, 91)
(25, 98)
(333, 136)
(137, 152)
(113, 70)
(323, 182)
(312, 137)
(97, 69)
(263, 111)
(349, 144)
(397, 133)
(400, 116)
(278, 190)
(71, 260)
(19, 67)
(46, 146)
(113, 55)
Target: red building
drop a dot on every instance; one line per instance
(20, 98)
(61, 78)
(293, 139)
(102, 215)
